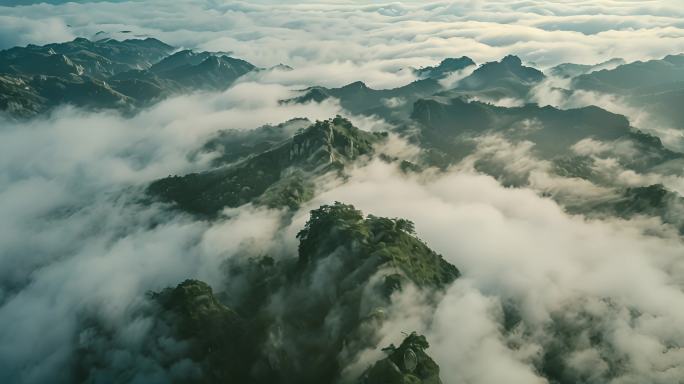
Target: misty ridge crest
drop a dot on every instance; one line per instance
(279, 176)
(321, 300)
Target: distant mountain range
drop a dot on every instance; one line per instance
(122, 75)
(130, 74)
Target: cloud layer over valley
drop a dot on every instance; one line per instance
(355, 41)
(556, 272)
(564, 219)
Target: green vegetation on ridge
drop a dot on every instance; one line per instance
(280, 175)
(294, 320)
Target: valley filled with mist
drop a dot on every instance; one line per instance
(478, 192)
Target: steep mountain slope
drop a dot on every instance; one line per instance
(107, 74)
(570, 70)
(507, 78)
(587, 143)
(99, 59)
(17, 98)
(182, 58)
(445, 67)
(229, 146)
(392, 104)
(407, 363)
(214, 72)
(663, 103)
(655, 87)
(363, 260)
(634, 75)
(285, 326)
(276, 315)
(358, 98)
(649, 201)
(181, 75)
(554, 132)
(194, 339)
(279, 176)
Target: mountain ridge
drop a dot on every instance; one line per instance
(108, 74)
(278, 176)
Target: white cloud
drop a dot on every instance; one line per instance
(77, 242)
(378, 39)
(514, 246)
(73, 240)
(22, 31)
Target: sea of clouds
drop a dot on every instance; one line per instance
(77, 238)
(345, 41)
